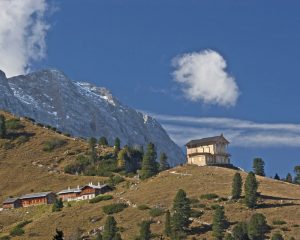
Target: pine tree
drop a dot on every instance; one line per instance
(219, 223)
(277, 236)
(122, 159)
(237, 186)
(168, 228)
(257, 227)
(276, 177)
(117, 145)
(93, 154)
(57, 205)
(240, 232)
(163, 163)
(145, 232)
(117, 237)
(110, 228)
(103, 141)
(149, 165)
(59, 235)
(251, 186)
(259, 166)
(2, 127)
(289, 178)
(297, 177)
(92, 142)
(181, 213)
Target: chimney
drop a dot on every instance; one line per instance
(69, 188)
(77, 186)
(98, 184)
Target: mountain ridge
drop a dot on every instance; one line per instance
(82, 109)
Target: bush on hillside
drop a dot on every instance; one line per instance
(209, 196)
(18, 230)
(6, 237)
(115, 180)
(114, 208)
(196, 213)
(7, 145)
(53, 144)
(100, 198)
(13, 124)
(278, 222)
(157, 211)
(23, 139)
(143, 207)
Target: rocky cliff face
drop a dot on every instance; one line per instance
(79, 108)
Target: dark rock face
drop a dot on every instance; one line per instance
(79, 108)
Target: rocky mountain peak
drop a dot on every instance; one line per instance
(82, 109)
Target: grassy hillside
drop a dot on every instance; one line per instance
(25, 167)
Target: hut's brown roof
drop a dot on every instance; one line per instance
(205, 141)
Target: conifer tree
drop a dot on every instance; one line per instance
(251, 186)
(2, 127)
(277, 236)
(163, 163)
(110, 229)
(122, 158)
(145, 232)
(59, 235)
(236, 186)
(257, 227)
(240, 232)
(93, 154)
(181, 213)
(57, 205)
(276, 177)
(103, 141)
(219, 223)
(117, 145)
(297, 177)
(289, 178)
(259, 166)
(168, 228)
(149, 165)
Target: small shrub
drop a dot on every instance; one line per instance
(215, 206)
(222, 199)
(13, 124)
(278, 222)
(7, 145)
(53, 144)
(18, 230)
(6, 237)
(198, 205)
(155, 212)
(143, 207)
(194, 200)
(101, 198)
(114, 208)
(209, 196)
(23, 139)
(295, 225)
(115, 180)
(196, 213)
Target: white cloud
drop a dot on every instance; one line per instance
(204, 78)
(241, 133)
(22, 34)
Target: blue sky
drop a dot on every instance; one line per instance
(134, 49)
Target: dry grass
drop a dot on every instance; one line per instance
(281, 200)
